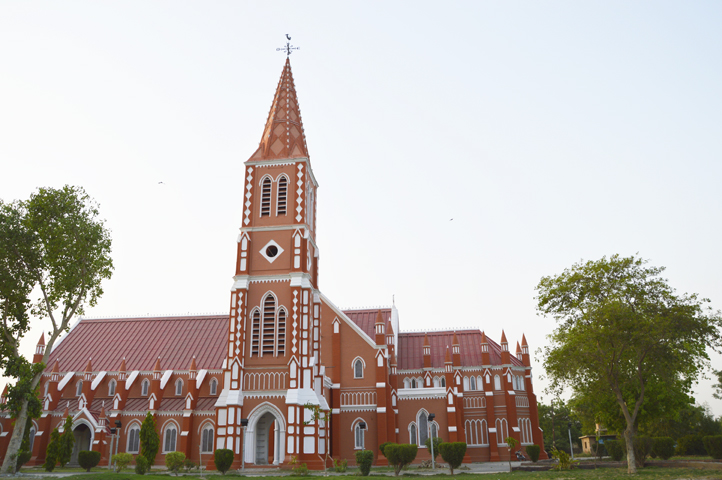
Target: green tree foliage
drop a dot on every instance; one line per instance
(174, 461)
(51, 453)
(713, 445)
(437, 441)
(88, 459)
(223, 458)
(564, 460)
(383, 446)
(624, 334)
(364, 459)
(688, 420)
(554, 420)
(149, 441)
(400, 455)
(141, 465)
(121, 460)
(66, 442)
(533, 451)
(453, 454)
(663, 447)
(55, 245)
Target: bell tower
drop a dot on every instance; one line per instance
(274, 322)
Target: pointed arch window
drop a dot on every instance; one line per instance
(207, 439)
(266, 197)
(79, 388)
(256, 333)
(443, 382)
(214, 387)
(111, 388)
(169, 438)
(134, 439)
(358, 368)
(413, 383)
(472, 383)
(179, 387)
(144, 387)
(31, 437)
(412, 434)
(423, 421)
(359, 435)
(282, 191)
(497, 383)
(269, 325)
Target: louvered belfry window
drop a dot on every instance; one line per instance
(266, 198)
(256, 334)
(269, 325)
(281, 341)
(281, 203)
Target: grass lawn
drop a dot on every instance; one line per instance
(604, 473)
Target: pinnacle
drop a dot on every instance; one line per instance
(379, 318)
(523, 341)
(483, 338)
(122, 366)
(56, 367)
(42, 339)
(426, 341)
(193, 364)
(518, 348)
(157, 365)
(88, 367)
(455, 340)
(503, 337)
(283, 135)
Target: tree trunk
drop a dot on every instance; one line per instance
(17, 439)
(629, 440)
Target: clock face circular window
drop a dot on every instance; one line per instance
(271, 251)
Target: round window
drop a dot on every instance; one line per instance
(272, 251)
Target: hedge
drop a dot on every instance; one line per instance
(713, 445)
(88, 459)
(364, 459)
(663, 447)
(223, 458)
(533, 451)
(400, 455)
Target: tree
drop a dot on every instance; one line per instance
(149, 440)
(54, 244)
(511, 443)
(51, 454)
(66, 442)
(554, 420)
(399, 455)
(623, 334)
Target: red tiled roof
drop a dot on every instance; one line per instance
(410, 353)
(141, 341)
(366, 319)
(172, 404)
(206, 404)
(136, 405)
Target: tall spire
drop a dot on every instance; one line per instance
(283, 136)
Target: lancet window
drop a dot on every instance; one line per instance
(282, 191)
(268, 334)
(266, 197)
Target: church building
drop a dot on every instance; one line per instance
(243, 381)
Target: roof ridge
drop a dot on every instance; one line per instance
(376, 307)
(148, 316)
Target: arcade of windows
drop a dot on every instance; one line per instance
(268, 336)
(281, 195)
(418, 382)
(421, 429)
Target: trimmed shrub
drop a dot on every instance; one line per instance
(615, 449)
(713, 445)
(437, 441)
(533, 451)
(663, 447)
(121, 460)
(642, 448)
(174, 461)
(400, 455)
(364, 459)
(341, 465)
(453, 454)
(141, 465)
(690, 445)
(223, 458)
(382, 446)
(88, 459)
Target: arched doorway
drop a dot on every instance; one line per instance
(267, 440)
(83, 437)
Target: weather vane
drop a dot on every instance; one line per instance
(288, 48)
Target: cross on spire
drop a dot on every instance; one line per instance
(288, 48)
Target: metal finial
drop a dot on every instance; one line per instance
(288, 48)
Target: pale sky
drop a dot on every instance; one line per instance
(550, 132)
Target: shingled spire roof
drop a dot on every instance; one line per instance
(283, 136)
